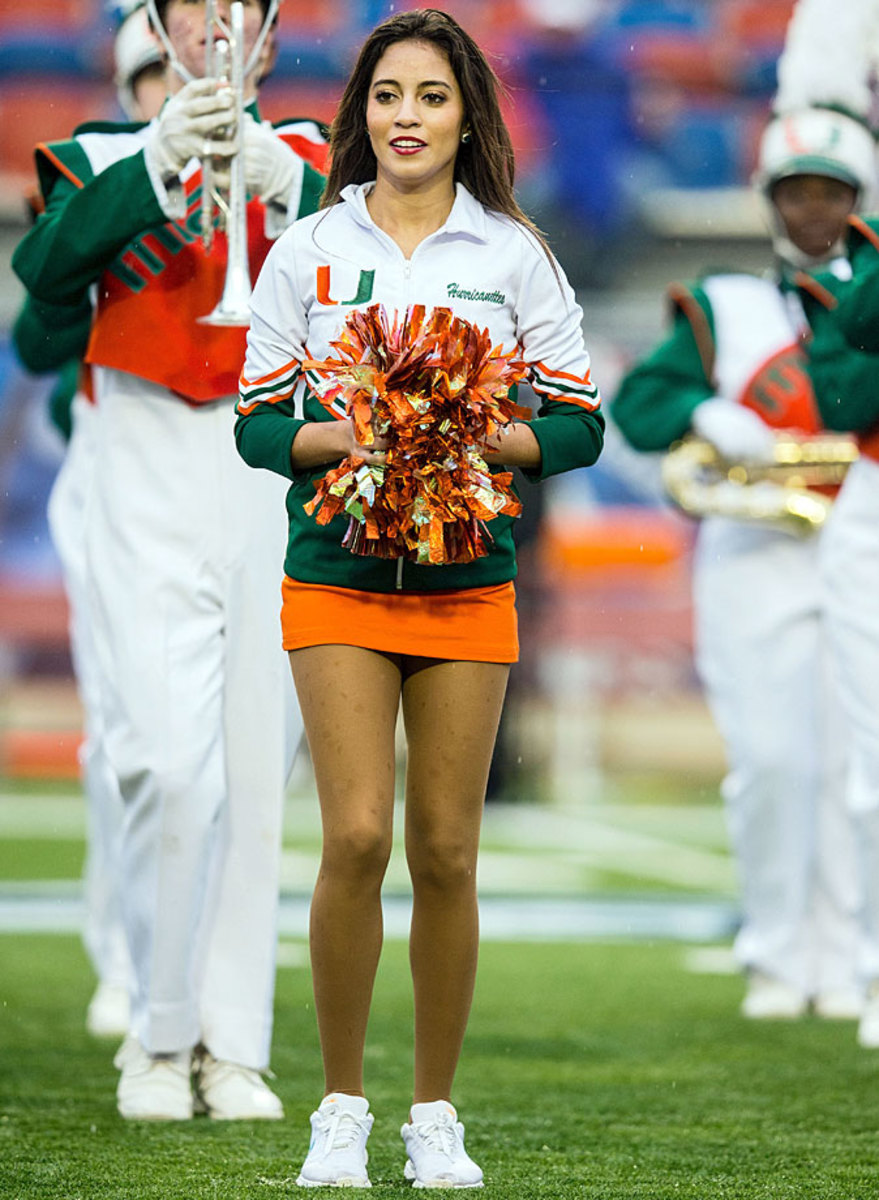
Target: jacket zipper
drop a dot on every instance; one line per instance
(407, 273)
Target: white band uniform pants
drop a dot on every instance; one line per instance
(763, 657)
(186, 548)
(850, 574)
(103, 932)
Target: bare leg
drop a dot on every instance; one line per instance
(349, 699)
(451, 710)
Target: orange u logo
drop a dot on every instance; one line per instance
(363, 293)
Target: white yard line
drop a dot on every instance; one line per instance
(526, 849)
(34, 909)
(42, 816)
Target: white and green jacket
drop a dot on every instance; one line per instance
(485, 267)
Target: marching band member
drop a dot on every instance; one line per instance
(846, 387)
(418, 237)
(844, 365)
(181, 544)
(734, 370)
(53, 338)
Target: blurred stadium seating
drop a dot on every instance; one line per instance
(604, 93)
(635, 124)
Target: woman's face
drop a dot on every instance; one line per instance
(814, 210)
(415, 117)
(185, 26)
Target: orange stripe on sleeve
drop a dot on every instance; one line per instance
(822, 294)
(252, 383)
(584, 379)
(700, 325)
(244, 409)
(567, 398)
(56, 162)
(864, 230)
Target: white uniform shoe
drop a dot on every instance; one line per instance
(109, 1011)
(868, 1029)
(840, 1004)
(769, 999)
(337, 1155)
(227, 1091)
(153, 1087)
(435, 1145)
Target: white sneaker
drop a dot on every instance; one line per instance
(337, 1155)
(227, 1091)
(868, 1027)
(839, 1004)
(769, 999)
(153, 1087)
(109, 1011)
(435, 1145)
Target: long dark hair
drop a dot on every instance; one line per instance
(485, 163)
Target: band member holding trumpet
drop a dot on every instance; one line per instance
(52, 339)
(182, 544)
(733, 371)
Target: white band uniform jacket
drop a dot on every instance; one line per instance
(488, 270)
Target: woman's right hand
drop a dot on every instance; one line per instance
(374, 455)
(320, 442)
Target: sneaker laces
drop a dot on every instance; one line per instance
(132, 1056)
(343, 1130)
(204, 1065)
(440, 1135)
(226, 1070)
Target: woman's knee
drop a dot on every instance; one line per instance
(442, 864)
(357, 850)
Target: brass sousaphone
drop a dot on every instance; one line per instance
(702, 483)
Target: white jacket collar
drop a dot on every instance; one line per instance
(467, 216)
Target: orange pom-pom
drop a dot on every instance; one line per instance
(436, 389)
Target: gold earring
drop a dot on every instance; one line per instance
(465, 136)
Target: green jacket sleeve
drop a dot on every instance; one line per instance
(61, 398)
(654, 402)
(568, 437)
(858, 313)
(89, 220)
(845, 380)
(313, 184)
(264, 437)
(47, 336)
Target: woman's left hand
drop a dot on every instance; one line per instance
(375, 454)
(514, 445)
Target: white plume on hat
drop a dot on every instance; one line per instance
(828, 56)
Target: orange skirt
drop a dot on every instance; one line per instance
(466, 625)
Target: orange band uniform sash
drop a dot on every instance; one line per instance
(150, 300)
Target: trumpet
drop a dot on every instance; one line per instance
(225, 59)
(700, 482)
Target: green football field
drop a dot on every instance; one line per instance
(612, 1068)
(605, 1071)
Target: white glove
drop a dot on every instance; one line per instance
(197, 121)
(272, 170)
(735, 431)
